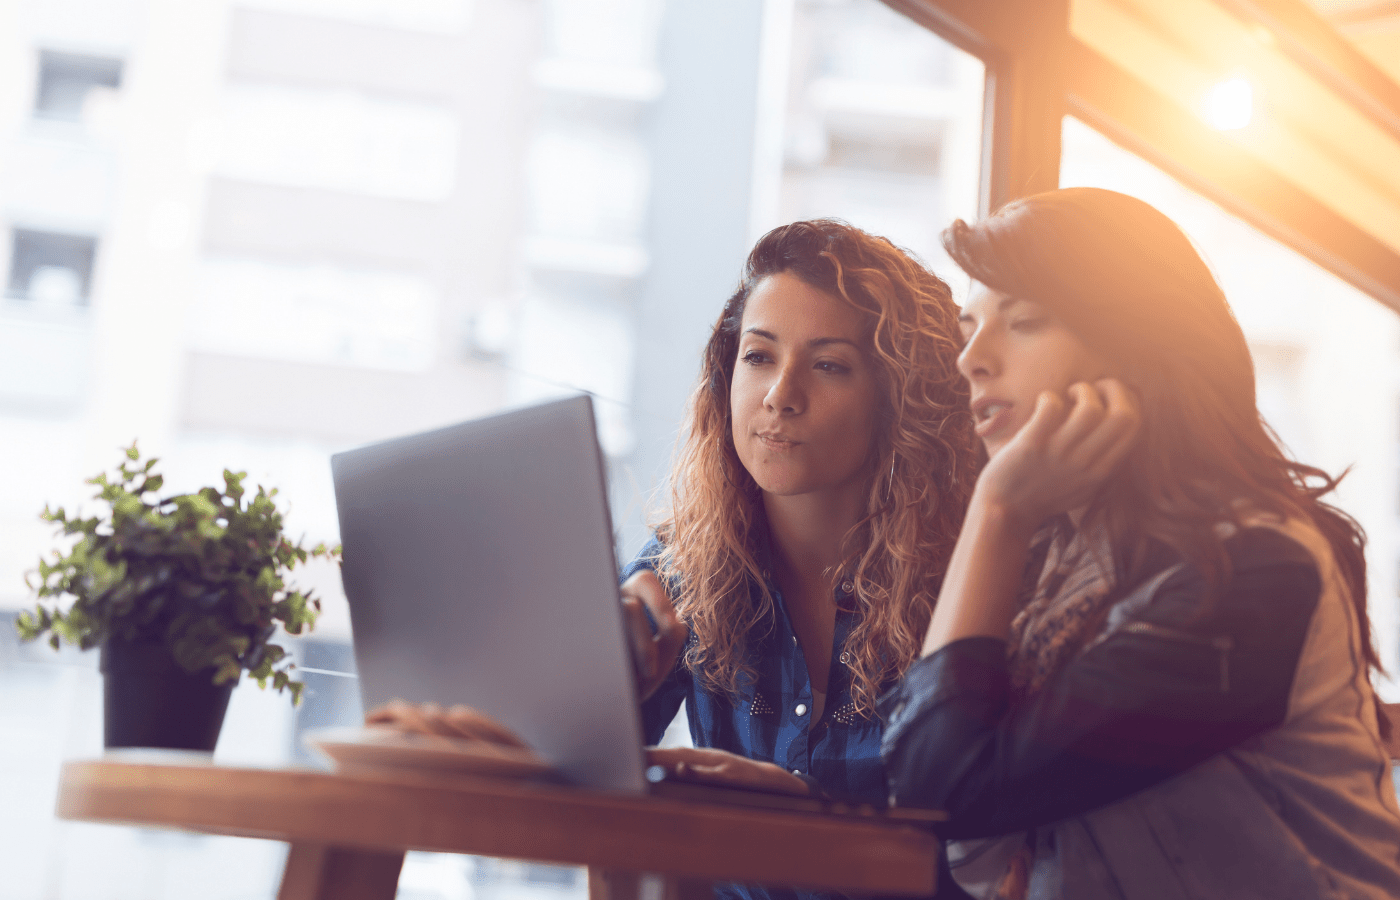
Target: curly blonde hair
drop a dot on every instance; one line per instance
(922, 466)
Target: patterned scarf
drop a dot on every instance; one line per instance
(1064, 606)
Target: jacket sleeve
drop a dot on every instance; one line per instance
(1182, 680)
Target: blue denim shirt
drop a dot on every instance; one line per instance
(769, 720)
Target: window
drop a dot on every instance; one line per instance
(50, 268)
(1324, 355)
(66, 79)
(883, 126)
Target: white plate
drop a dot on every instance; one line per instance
(370, 748)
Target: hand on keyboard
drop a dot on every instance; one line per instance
(727, 769)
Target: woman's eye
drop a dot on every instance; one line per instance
(1029, 325)
(834, 368)
(754, 357)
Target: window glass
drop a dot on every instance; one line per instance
(49, 268)
(66, 80)
(327, 223)
(1325, 354)
(882, 126)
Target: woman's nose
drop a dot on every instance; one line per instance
(785, 394)
(979, 358)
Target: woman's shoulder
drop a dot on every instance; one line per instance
(1257, 543)
(1262, 543)
(647, 559)
(1275, 568)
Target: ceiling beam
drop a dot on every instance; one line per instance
(1147, 123)
(985, 29)
(1310, 40)
(1368, 14)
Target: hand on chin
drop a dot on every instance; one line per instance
(1065, 451)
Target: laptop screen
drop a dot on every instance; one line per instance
(479, 566)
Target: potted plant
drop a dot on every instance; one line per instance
(181, 593)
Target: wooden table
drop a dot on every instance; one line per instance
(348, 834)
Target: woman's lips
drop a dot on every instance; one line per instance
(991, 416)
(776, 442)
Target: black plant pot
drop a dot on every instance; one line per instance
(150, 701)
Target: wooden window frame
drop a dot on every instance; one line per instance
(1037, 73)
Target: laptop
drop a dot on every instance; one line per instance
(478, 564)
(479, 567)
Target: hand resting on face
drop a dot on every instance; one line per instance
(1065, 453)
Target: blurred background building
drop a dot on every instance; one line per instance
(250, 234)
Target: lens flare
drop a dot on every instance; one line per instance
(1230, 105)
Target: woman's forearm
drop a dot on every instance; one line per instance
(984, 574)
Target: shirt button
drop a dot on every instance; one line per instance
(794, 638)
(797, 771)
(801, 709)
(845, 657)
(847, 587)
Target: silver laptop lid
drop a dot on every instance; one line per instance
(478, 563)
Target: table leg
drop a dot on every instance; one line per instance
(318, 872)
(612, 884)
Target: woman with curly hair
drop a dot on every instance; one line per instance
(819, 486)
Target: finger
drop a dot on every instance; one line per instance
(647, 588)
(1119, 398)
(682, 761)
(668, 634)
(401, 716)
(385, 713)
(666, 756)
(671, 636)
(477, 725)
(700, 756)
(1082, 419)
(640, 637)
(1117, 431)
(1046, 417)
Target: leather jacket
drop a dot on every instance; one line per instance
(1205, 745)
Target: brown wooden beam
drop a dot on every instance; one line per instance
(1310, 40)
(1023, 43)
(1364, 16)
(1151, 125)
(1026, 107)
(985, 28)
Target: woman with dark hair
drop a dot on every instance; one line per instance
(818, 489)
(1148, 671)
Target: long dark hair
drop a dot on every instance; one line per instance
(1128, 281)
(922, 466)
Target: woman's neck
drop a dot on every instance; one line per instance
(809, 530)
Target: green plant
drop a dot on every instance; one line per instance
(200, 573)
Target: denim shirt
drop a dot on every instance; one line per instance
(769, 719)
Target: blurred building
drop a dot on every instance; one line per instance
(250, 233)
